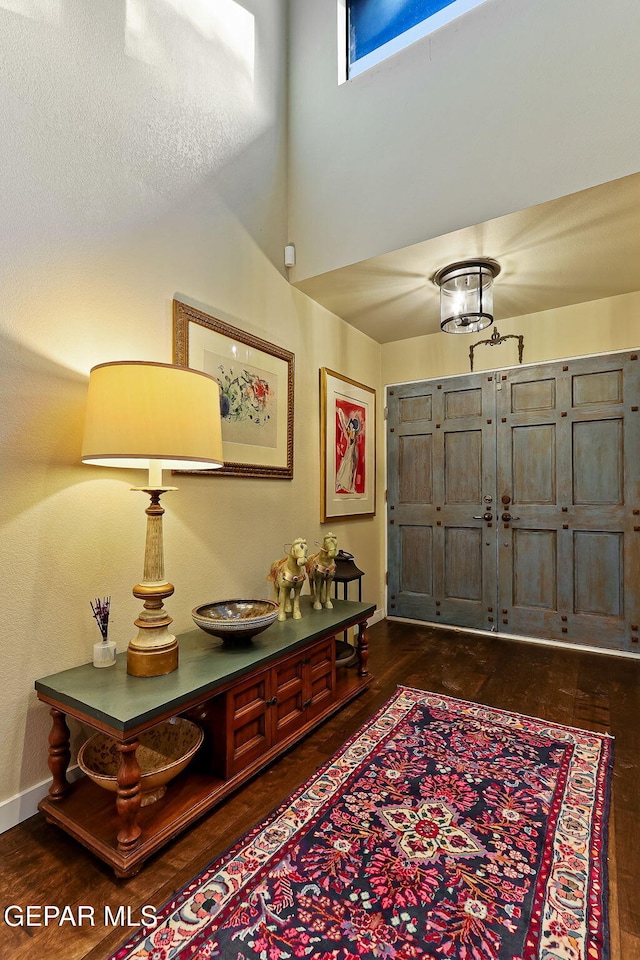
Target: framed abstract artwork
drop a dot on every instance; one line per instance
(256, 382)
(348, 447)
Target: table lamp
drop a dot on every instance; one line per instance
(155, 416)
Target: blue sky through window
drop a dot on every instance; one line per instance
(373, 23)
(378, 28)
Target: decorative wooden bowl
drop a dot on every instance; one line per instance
(164, 752)
(235, 621)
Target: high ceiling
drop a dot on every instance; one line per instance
(582, 247)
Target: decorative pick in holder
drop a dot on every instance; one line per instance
(104, 653)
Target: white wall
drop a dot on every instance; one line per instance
(143, 155)
(517, 102)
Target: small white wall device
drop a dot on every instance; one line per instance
(290, 255)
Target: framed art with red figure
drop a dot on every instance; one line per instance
(348, 447)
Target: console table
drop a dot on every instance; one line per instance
(253, 703)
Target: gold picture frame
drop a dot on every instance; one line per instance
(348, 447)
(256, 381)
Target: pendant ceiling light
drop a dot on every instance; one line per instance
(466, 295)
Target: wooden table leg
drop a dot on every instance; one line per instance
(59, 755)
(362, 649)
(128, 796)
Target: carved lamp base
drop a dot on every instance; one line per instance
(154, 652)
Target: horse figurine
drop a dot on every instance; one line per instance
(288, 576)
(321, 567)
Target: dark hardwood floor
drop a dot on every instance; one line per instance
(41, 865)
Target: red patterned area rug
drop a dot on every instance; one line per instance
(441, 829)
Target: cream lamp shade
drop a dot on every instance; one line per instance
(152, 415)
(139, 412)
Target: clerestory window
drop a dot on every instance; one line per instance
(378, 28)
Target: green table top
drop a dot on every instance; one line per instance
(124, 702)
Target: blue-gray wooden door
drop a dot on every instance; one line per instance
(548, 455)
(441, 455)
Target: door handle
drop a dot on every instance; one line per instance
(507, 517)
(485, 516)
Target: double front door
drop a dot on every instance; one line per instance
(514, 501)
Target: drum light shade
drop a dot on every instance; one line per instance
(466, 295)
(139, 412)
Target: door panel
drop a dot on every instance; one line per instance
(598, 468)
(571, 474)
(442, 447)
(463, 467)
(599, 387)
(535, 569)
(462, 403)
(533, 395)
(416, 549)
(533, 450)
(415, 408)
(416, 469)
(598, 573)
(514, 500)
(463, 563)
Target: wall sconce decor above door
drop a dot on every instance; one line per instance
(466, 295)
(495, 340)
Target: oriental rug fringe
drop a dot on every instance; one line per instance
(443, 828)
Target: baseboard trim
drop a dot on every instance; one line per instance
(23, 805)
(541, 641)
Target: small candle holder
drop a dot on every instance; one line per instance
(104, 652)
